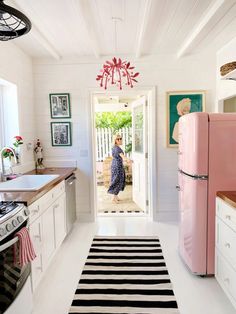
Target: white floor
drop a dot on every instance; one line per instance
(195, 295)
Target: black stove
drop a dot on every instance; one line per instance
(6, 207)
(12, 215)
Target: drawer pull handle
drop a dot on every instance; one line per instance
(227, 245)
(39, 268)
(226, 280)
(35, 211)
(38, 236)
(228, 217)
(55, 206)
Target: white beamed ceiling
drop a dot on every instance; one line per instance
(84, 28)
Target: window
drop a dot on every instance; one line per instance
(9, 120)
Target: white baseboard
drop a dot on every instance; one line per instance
(85, 217)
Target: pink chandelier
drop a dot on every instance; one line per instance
(114, 71)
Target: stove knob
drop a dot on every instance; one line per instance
(2, 232)
(20, 219)
(15, 223)
(9, 227)
(26, 212)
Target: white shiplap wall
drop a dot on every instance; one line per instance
(196, 72)
(16, 67)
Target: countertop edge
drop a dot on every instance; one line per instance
(228, 196)
(30, 197)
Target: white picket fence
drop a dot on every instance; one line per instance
(104, 139)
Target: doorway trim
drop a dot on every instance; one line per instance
(150, 93)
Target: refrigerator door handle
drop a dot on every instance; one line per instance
(195, 176)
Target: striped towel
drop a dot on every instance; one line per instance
(23, 249)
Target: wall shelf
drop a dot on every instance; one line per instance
(230, 76)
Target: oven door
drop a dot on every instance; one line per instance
(12, 277)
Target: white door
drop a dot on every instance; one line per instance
(139, 153)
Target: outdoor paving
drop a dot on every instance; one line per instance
(125, 205)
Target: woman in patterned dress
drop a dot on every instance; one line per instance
(117, 170)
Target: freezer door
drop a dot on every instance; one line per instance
(193, 143)
(193, 223)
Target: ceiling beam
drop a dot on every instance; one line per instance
(45, 43)
(202, 25)
(85, 10)
(36, 30)
(143, 28)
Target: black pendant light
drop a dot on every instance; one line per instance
(13, 23)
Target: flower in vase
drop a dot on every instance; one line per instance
(7, 153)
(16, 144)
(18, 140)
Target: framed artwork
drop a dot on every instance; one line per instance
(178, 104)
(61, 133)
(60, 106)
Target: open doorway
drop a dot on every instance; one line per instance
(126, 115)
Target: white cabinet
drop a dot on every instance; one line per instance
(37, 264)
(225, 258)
(47, 229)
(48, 235)
(60, 219)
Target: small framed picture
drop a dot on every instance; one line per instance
(180, 103)
(60, 106)
(61, 133)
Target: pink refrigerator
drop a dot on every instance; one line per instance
(207, 164)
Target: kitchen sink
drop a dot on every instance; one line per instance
(27, 183)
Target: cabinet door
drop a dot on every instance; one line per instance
(36, 265)
(59, 220)
(48, 236)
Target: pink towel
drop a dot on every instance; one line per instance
(23, 249)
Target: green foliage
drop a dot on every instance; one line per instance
(7, 153)
(128, 148)
(113, 120)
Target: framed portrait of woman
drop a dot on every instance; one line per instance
(180, 103)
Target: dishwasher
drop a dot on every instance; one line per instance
(70, 184)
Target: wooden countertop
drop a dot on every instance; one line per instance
(228, 196)
(30, 197)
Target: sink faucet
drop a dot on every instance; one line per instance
(3, 175)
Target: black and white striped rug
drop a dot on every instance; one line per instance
(125, 275)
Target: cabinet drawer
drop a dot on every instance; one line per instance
(35, 211)
(226, 241)
(48, 198)
(226, 276)
(58, 190)
(226, 212)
